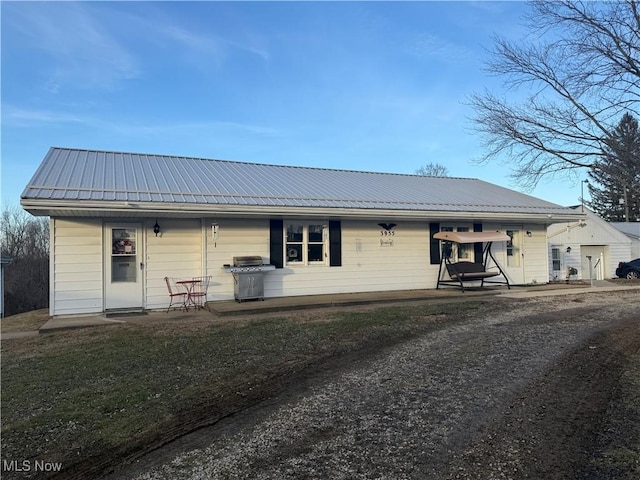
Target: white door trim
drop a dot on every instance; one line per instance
(124, 250)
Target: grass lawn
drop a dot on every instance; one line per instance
(89, 398)
(24, 322)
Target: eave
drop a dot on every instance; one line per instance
(109, 209)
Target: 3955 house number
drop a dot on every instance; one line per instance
(386, 232)
(387, 229)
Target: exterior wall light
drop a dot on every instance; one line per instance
(568, 249)
(156, 228)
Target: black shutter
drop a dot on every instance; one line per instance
(335, 244)
(477, 247)
(434, 244)
(276, 245)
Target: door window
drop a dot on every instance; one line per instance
(513, 248)
(123, 255)
(555, 258)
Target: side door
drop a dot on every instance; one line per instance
(513, 254)
(123, 266)
(556, 263)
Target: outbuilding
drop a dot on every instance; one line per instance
(585, 249)
(632, 231)
(121, 222)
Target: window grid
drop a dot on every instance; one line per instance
(305, 244)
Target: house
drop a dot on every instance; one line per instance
(631, 230)
(572, 243)
(326, 231)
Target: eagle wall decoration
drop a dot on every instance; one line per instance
(387, 228)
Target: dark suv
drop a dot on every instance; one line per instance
(629, 269)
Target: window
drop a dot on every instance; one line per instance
(123, 255)
(305, 244)
(464, 249)
(555, 257)
(513, 248)
(457, 251)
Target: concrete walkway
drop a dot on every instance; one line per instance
(68, 323)
(283, 304)
(585, 290)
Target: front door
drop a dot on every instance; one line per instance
(123, 266)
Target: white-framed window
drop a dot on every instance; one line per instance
(513, 248)
(305, 244)
(458, 251)
(555, 259)
(465, 250)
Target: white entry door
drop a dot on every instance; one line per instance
(513, 254)
(123, 266)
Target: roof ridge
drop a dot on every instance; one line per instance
(241, 162)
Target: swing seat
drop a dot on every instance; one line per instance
(469, 271)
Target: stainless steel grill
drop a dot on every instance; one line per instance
(248, 276)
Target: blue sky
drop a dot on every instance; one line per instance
(378, 86)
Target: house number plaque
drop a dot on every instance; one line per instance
(387, 232)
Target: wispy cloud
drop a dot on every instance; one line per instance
(89, 45)
(212, 47)
(192, 43)
(426, 45)
(80, 49)
(190, 129)
(21, 117)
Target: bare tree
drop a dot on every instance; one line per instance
(26, 239)
(433, 170)
(575, 75)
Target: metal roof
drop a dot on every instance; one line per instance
(103, 177)
(631, 229)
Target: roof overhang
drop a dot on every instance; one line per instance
(89, 208)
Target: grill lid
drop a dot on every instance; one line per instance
(247, 261)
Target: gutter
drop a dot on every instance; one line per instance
(146, 209)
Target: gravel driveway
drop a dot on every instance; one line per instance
(519, 394)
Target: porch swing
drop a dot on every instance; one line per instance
(465, 271)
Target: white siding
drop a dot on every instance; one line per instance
(536, 266)
(593, 232)
(76, 275)
(535, 262)
(178, 251)
(235, 238)
(366, 265)
(617, 253)
(175, 252)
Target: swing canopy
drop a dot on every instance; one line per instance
(472, 237)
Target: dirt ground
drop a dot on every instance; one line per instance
(547, 390)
